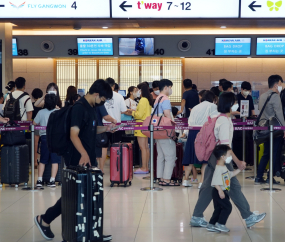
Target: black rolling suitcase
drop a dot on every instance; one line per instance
(82, 205)
(15, 164)
(47, 172)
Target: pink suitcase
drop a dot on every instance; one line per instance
(121, 164)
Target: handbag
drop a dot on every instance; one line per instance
(11, 138)
(155, 120)
(125, 117)
(261, 136)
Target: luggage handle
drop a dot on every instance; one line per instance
(118, 164)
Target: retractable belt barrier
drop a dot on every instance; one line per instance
(181, 124)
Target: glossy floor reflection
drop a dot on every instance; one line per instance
(131, 215)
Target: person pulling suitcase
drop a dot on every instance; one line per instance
(80, 147)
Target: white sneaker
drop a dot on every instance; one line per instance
(200, 184)
(186, 183)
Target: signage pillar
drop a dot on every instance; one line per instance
(6, 61)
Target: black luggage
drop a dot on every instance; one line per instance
(15, 164)
(47, 172)
(82, 205)
(130, 138)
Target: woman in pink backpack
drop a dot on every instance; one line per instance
(224, 134)
(198, 116)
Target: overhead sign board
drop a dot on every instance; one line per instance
(262, 9)
(54, 9)
(270, 46)
(233, 46)
(175, 9)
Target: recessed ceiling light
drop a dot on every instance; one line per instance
(223, 27)
(105, 27)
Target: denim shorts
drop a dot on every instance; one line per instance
(46, 156)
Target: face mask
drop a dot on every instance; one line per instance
(235, 107)
(279, 89)
(139, 93)
(52, 92)
(246, 93)
(157, 92)
(135, 95)
(229, 160)
(170, 92)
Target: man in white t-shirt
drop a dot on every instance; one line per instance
(26, 106)
(115, 107)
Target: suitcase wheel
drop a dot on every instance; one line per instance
(25, 184)
(16, 186)
(112, 184)
(125, 184)
(130, 183)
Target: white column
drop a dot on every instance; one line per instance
(7, 61)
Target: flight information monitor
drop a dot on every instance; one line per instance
(270, 46)
(95, 46)
(14, 47)
(136, 46)
(233, 46)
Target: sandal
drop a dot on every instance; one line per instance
(170, 184)
(160, 182)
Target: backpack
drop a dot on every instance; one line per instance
(58, 131)
(12, 108)
(205, 141)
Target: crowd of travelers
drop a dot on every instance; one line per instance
(105, 105)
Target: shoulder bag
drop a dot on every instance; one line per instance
(155, 120)
(261, 136)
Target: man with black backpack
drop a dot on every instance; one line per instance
(18, 105)
(83, 124)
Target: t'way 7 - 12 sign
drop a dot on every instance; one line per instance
(175, 9)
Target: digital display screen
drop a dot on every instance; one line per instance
(270, 46)
(233, 46)
(14, 47)
(136, 46)
(123, 93)
(95, 46)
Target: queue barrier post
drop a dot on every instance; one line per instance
(271, 189)
(32, 188)
(151, 188)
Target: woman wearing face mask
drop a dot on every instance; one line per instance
(52, 88)
(198, 117)
(131, 96)
(224, 134)
(142, 112)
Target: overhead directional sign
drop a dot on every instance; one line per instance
(175, 9)
(262, 9)
(54, 9)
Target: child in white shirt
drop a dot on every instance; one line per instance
(221, 182)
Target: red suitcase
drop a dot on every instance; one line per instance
(121, 164)
(177, 174)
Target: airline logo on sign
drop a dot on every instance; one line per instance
(262, 9)
(175, 9)
(54, 9)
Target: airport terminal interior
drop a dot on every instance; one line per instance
(74, 43)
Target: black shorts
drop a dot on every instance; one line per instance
(114, 137)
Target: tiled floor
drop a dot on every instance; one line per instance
(133, 215)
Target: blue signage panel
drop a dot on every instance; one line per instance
(233, 46)
(270, 46)
(14, 47)
(95, 46)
